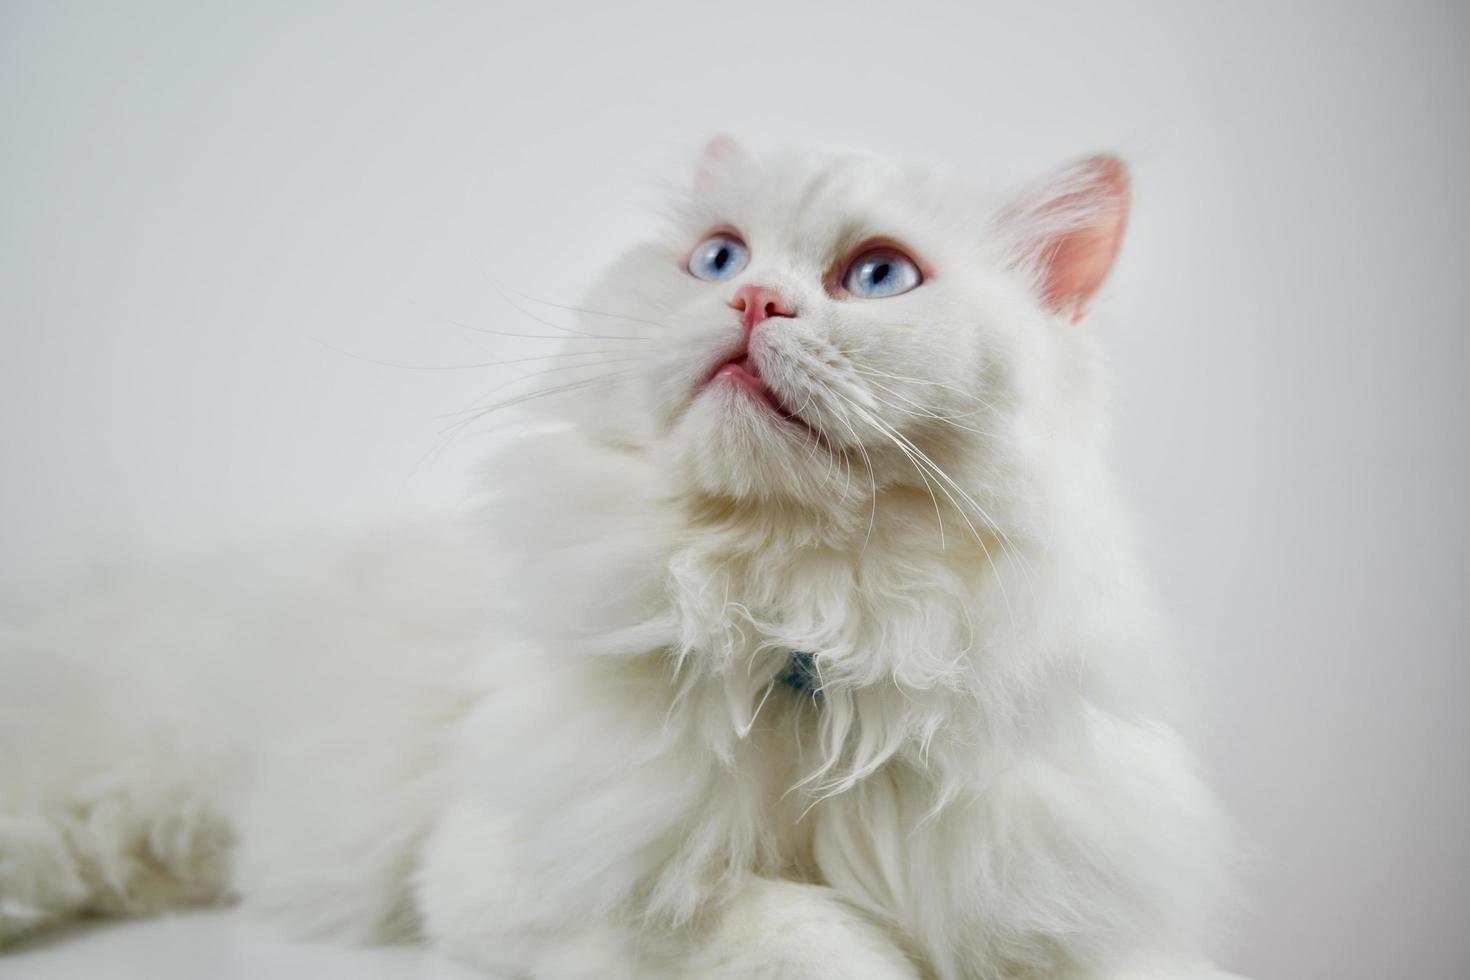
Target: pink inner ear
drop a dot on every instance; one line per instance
(719, 155)
(1076, 261)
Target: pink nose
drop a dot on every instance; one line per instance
(757, 303)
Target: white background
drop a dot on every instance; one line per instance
(203, 206)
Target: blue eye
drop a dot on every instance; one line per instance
(718, 257)
(881, 272)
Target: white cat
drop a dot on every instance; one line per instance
(805, 639)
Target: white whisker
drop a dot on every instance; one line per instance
(475, 365)
(541, 336)
(590, 312)
(921, 410)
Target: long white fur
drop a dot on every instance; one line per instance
(551, 743)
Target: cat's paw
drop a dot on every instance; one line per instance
(39, 878)
(119, 846)
(783, 930)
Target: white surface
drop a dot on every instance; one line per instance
(192, 194)
(212, 946)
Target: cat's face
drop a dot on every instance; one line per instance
(818, 326)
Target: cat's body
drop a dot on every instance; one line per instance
(558, 743)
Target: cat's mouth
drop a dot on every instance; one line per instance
(742, 373)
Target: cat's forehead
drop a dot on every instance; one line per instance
(816, 202)
(814, 187)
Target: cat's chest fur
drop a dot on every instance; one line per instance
(790, 605)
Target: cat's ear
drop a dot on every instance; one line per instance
(720, 157)
(1068, 229)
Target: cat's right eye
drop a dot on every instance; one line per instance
(881, 272)
(719, 256)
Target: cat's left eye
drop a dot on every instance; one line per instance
(719, 256)
(881, 272)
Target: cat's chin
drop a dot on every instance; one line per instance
(736, 441)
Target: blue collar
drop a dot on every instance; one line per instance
(801, 675)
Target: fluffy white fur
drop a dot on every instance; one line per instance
(551, 743)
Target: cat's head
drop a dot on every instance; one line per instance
(815, 326)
